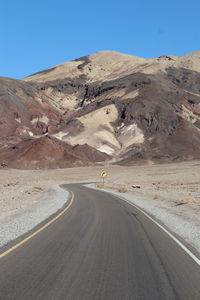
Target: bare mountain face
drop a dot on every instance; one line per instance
(106, 106)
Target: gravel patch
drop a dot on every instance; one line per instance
(28, 220)
(185, 229)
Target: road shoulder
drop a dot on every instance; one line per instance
(183, 229)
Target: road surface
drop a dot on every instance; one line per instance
(101, 248)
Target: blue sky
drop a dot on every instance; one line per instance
(36, 35)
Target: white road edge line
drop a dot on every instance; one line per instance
(159, 225)
(167, 232)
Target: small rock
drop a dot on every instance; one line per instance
(136, 186)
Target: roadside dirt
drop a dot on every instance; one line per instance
(172, 186)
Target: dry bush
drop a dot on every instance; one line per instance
(99, 185)
(122, 189)
(156, 197)
(186, 201)
(37, 188)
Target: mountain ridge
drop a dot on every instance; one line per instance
(130, 108)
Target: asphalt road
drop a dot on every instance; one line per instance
(102, 248)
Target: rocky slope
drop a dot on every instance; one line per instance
(130, 108)
(48, 152)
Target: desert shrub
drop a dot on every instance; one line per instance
(37, 188)
(99, 185)
(122, 189)
(186, 200)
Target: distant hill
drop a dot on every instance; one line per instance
(126, 108)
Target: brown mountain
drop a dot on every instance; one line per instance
(49, 152)
(130, 108)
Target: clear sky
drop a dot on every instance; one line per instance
(36, 35)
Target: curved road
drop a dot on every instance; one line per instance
(101, 248)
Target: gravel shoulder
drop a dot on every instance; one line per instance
(26, 207)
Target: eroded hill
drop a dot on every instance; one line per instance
(128, 108)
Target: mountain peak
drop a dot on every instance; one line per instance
(125, 106)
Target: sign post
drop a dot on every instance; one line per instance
(103, 175)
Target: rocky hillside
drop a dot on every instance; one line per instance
(48, 152)
(127, 109)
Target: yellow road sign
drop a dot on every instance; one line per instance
(103, 174)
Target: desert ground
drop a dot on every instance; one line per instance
(172, 186)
